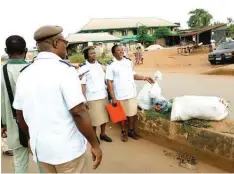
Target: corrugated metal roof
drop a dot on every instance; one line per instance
(117, 23)
(91, 37)
(195, 31)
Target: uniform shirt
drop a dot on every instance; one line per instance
(122, 74)
(45, 92)
(94, 80)
(13, 68)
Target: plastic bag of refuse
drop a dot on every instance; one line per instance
(199, 107)
(149, 92)
(162, 106)
(143, 99)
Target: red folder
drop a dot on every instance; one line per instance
(117, 113)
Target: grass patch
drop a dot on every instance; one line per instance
(153, 114)
(186, 129)
(189, 125)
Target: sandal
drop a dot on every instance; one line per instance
(124, 136)
(133, 135)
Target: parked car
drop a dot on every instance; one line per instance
(223, 54)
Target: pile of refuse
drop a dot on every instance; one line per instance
(181, 108)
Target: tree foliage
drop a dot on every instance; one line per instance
(230, 30)
(162, 32)
(143, 36)
(199, 18)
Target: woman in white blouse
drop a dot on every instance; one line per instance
(92, 74)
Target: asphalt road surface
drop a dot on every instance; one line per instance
(175, 84)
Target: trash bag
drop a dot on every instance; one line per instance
(162, 106)
(150, 93)
(199, 107)
(143, 100)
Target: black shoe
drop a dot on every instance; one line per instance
(105, 138)
(98, 140)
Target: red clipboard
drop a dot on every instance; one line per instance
(117, 113)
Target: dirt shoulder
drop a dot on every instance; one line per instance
(167, 60)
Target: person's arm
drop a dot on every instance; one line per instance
(3, 107)
(3, 130)
(84, 124)
(110, 86)
(111, 91)
(148, 79)
(138, 77)
(84, 93)
(74, 98)
(84, 90)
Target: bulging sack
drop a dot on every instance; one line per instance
(199, 107)
(149, 93)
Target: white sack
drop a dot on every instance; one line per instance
(143, 99)
(149, 92)
(200, 107)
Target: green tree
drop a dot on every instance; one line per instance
(162, 32)
(230, 30)
(142, 33)
(143, 36)
(199, 18)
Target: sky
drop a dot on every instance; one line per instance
(24, 17)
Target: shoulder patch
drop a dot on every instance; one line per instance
(68, 64)
(24, 68)
(82, 64)
(110, 62)
(128, 58)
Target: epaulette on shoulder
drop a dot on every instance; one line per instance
(110, 62)
(68, 64)
(82, 64)
(24, 68)
(128, 58)
(99, 62)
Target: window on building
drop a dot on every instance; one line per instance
(134, 31)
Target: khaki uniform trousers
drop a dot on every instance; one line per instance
(78, 165)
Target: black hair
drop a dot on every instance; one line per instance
(86, 52)
(113, 48)
(15, 45)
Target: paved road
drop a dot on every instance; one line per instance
(132, 157)
(174, 85)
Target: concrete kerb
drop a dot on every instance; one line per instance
(212, 147)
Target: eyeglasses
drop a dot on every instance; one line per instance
(64, 41)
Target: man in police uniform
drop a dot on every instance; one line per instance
(50, 102)
(120, 79)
